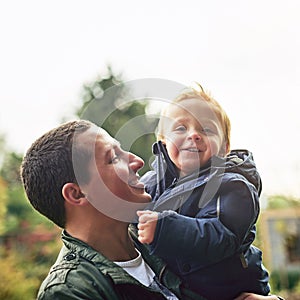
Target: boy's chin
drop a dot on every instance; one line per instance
(186, 172)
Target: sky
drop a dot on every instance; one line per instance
(245, 52)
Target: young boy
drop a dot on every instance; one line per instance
(206, 201)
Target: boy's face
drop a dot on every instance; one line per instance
(193, 134)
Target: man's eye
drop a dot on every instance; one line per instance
(115, 159)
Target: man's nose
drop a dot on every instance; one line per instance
(135, 162)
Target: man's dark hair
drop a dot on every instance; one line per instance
(47, 166)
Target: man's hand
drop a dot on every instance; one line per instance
(147, 225)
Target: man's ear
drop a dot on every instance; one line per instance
(73, 194)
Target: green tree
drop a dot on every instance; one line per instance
(2, 148)
(3, 203)
(10, 168)
(28, 242)
(17, 208)
(14, 284)
(282, 201)
(103, 103)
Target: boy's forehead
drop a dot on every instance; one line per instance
(194, 107)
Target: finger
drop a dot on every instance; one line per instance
(141, 226)
(144, 218)
(147, 216)
(139, 212)
(143, 212)
(141, 239)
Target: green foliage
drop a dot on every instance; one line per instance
(10, 169)
(21, 275)
(285, 280)
(11, 193)
(14, 284)
(280, 202)
(3, 204)
(2, 148)
(107, 103)
(28, 242)
(19, 210)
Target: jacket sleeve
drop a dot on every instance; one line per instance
(65, 293)
(214, 236)
(77, 284)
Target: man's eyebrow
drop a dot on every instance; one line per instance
(115, 144)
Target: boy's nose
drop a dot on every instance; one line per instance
(195, 136)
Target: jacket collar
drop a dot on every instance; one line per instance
(237, 161)
(74, 249)
(79, 249)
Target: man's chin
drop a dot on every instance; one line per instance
(141, 195)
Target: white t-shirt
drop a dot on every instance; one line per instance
(141, 271)
(138, 269)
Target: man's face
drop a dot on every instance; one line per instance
(113, 172)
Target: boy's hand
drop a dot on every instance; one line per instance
(147, 225)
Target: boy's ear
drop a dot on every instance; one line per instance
(227, 148)
(73, 194)
(224, 150)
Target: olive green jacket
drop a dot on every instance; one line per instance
(80, 272)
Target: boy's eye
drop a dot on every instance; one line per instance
(180, 128)
(208, 130)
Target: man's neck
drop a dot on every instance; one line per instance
(110, 239)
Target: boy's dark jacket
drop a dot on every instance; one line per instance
(207, 223)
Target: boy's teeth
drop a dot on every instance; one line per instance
(193, 150)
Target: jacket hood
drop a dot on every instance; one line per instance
(242, 162)
(165, 173)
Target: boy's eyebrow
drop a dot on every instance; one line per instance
(200, 120)
(180, 119)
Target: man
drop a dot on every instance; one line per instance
(63, 172)
(80, 178)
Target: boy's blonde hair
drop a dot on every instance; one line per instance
(198, 92)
